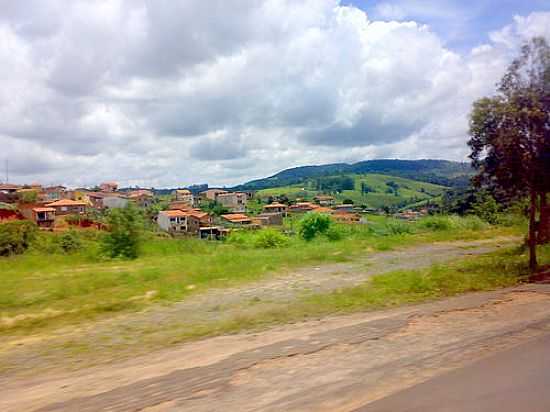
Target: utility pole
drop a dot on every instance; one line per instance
(7, 172)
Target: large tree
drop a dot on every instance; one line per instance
(510, 138)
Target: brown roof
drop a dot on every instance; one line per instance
(43, 209)
(236, 217)
(66, 202)
(322, 210)
(175, 213)
(8, 186)
(274, 205)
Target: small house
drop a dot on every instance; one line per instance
(268, 219)
(178, 222)
(276, 208)
(67, 207)
(234, 201)
(324, 200)
(237, 219)
(44, 217)
(185, 196)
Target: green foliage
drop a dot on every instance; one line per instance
(28, 196)
(270, 238)
(398, 227)
(335, 233)
(69, 241)
(214, 208)
(449, 223)
(334, 184)
(486, 207)
(16, 236)
(347, 202)
(314, 224)
(125, 229)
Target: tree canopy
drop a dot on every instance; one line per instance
(510, 136)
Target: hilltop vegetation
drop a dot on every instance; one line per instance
(440, 172)
(371, 190)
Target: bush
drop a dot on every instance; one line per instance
(444, 223)
(270, 238)
(69, 241)
(125, 229)
(334, 233)
(314, 224)
(397, 227)
(16, 236)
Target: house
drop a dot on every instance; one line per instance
(324, 200)
(115, 201)
(211, 194)
(268, 219)
(178, 222)
(237, 219)
(302, 207)
(142, 198)
(213, 232)
(108, 187)
(275, 208)
(44, 217)
(179, 205)
(9, 188)
(234, 201)
(343, 208)
(102, 200)
(53, 193)
(184, 195)
(67, 207)
(347, 217)
(205, 219)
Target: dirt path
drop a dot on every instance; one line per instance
(337, 364)
(139, 333)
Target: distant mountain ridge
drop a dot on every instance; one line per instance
(442, 172)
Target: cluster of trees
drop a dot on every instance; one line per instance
(334, 184)
(510, 139)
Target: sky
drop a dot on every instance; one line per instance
(168, 93)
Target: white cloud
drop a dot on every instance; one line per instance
(173, 92)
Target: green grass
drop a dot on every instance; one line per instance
(409, 192)
(46, 288)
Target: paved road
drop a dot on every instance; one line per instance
(515, 380)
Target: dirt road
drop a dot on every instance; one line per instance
(337, 364)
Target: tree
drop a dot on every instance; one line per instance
(125, 228)
(313, 224)
(510, 138)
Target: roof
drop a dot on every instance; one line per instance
(324, 197)
(66, 202)
(274, 205)
(140, 193)
(174, 213)
(183, 191)
(43, 209)
(236, 217)
(322, 210)
(8, 186)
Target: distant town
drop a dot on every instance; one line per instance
(196, 211)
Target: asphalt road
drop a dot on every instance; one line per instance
(516, 380)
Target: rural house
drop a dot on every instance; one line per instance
(178, 221)
(67, 207)
(142, 198)
(211, 194)
(275, 208)
(268, 219)
(184, 195)
(237, 219)
(324, 200)
(44, 217)
(234, 201)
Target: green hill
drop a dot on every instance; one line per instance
(372, 190)
(440, 172)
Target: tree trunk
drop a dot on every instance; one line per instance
(533, 232)
(544, 220)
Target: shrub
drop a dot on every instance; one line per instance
(397, 227)
(443, 223)
(16, 236)
(314, 224)
(270, 238)
(125, 229)
(334, 233)
(69, 241)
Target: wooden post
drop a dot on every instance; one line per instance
(533, 232)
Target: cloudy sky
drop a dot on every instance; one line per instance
(168, 93)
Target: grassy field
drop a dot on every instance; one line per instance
(46, 288)
(409, 191)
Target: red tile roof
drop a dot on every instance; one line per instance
(43, 209)
(236, 217)
(66, 202)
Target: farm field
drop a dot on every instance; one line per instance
(408, 192)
